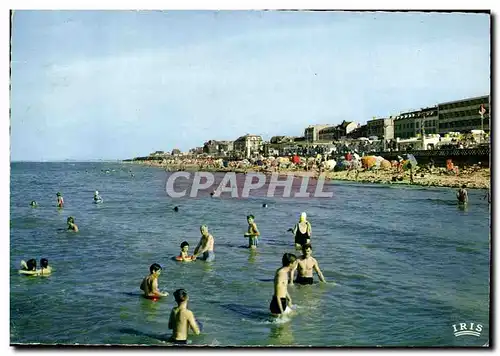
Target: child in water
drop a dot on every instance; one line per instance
(253, 232)
(33, 204)
(149, 284)
(97, 197)
(181, 319)
(60, 200)
(184, 255)
(45, 268)
(71, 224)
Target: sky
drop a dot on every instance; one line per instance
(119, 84)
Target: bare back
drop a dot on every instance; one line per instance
(281, 282)
(181, 319)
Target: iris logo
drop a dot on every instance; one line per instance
(471, 329)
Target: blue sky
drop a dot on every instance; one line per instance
(119, 84)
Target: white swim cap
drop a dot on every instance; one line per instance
(303, 216)
(96, 192)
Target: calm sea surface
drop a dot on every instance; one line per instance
(403, 263)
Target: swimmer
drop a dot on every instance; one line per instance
(176, 208)
(34, 204)
(253, 232)
(212, 193)
(71, 224)
(302, 232)
(305, 265)
(28, 267)
(205, 246)
(282, 302)
(149, 284)
(181, 319)
(264, 205)
(97, 197)
(60, 200)
(184, 255)
(462, 196)
(45, 268)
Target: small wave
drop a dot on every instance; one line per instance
(467, 249)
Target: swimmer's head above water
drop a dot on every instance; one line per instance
(176, 208)
(58, 194)
(31, 265)
(70, 220)
(184, 246)
(303, 217)
(289, 259)
(250, 218)
(307, 249)
(155, 268)
(180, 296)
(33, 203)
(44, 263)
(264, 205)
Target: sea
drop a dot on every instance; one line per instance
(405, 266)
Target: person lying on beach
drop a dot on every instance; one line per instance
(149, 284)
(462, 195)
(305, 266)
(205, 246)
(71, 224)
(302, 232)
(184, 254)
(252, 233)
(181, 319)
(282, 302)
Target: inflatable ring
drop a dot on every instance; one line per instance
(179, 258)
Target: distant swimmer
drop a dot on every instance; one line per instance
(264, 205)
(305, 266)
(212, 193)
(252, 233)
(184, 254)
(97, 197)
(34, 204)
(462, 196)
(149, 284)
(28, 267)
(302, 232)
(176, 208)
(282, 302)
(60, 200)
(71, 224)
(205, 246)
(182, 319)
(45, 269)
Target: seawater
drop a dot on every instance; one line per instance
(403, 263)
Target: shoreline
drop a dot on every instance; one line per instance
(476, 179)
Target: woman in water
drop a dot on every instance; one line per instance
(302, 232)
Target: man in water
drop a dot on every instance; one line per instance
(149, 284)
(181, 319)
(305, 265)
(97, 197)
(462, 195)
(60, 200)
(45, 269)
(281, 299)
(302, 232)
(252, 233)
(205, 246)
(176, 208)
(71, 224)
(184, 255)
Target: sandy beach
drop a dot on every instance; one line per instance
(473, 177)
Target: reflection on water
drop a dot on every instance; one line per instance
(281, 334)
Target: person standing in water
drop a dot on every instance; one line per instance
(60, 200)
(462, 196)
(97, 197)
(149, 284)
(302, 232)
(181, 319)
(205, 246)
(305, 266)
(252, 233)
(282, 302)
(71, 224)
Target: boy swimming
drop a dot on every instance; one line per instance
(149, 284)
(71, 224)
(181, 319)
(184, 255)
(253, 232)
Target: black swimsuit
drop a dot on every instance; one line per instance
(275, 308)
(304, 280)
(301, 238)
